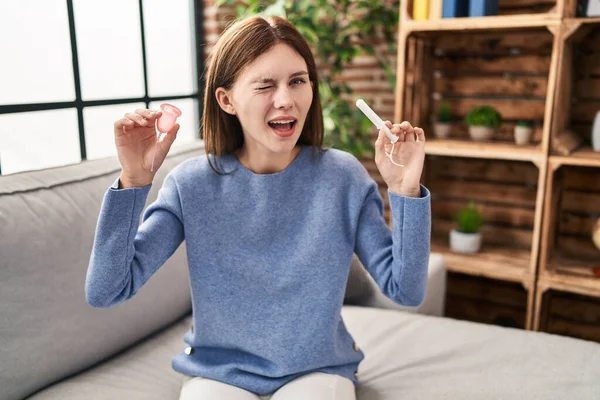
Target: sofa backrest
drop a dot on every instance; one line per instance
(47, 226)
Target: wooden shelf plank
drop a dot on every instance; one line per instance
(586, 286)
(585, 157)
(572, 274)
(590, 20)
(483, 23)
(495, 262)
(489, 150)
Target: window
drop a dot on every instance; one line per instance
(76, 66)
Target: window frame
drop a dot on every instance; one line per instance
(80, 104)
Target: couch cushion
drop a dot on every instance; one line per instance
(141, 373)
(48, 221)
(412, 356)
(407, 356)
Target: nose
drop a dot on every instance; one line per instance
(283, 98)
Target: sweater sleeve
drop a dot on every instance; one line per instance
(398, 259)
(126, 253)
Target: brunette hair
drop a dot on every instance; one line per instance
(237, 47)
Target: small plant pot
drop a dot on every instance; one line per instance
(523, 135)
(481, 133)
(466, 243)
(441, 130)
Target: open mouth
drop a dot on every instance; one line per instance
(282, 126)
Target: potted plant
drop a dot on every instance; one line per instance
(483, 122)
(523, 132)
(466, 238)
(443, 123)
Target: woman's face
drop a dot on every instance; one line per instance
(271, 98)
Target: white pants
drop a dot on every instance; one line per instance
(315, 386)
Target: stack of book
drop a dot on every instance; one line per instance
(436, 9)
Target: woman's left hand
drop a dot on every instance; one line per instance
(409, 151)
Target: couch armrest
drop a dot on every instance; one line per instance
(363, 291)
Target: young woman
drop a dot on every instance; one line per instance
(271, 221)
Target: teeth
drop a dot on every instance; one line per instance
(282, 122)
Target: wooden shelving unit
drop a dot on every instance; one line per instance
(572, 205)
(522, 62)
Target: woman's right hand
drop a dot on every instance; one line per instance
(135, 138)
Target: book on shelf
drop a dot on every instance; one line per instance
(482, 8)
(435, 9)
(420, 10)
(455, 8)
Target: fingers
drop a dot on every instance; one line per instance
(140, 118)
(123, 123)
(420, 134)
(406, 132)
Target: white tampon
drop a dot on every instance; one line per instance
(378, 122)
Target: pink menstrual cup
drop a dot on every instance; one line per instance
(170, 113)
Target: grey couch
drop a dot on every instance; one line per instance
(54, 346)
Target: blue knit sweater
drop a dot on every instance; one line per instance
(269, 257)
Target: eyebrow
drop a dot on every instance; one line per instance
(271, 80)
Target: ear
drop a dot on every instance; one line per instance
(224, 99)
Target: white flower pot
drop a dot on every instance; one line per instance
(441, 130)
(480, 133)
(522, 135)
(467, 243)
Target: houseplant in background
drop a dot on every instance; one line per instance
(483, 122)
(337, 31)
(523, 132)
(443, 122)
(466, 238)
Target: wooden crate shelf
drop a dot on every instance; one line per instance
(568, 256)
(506, 193)
(535, 61)
(585, 157)
(511, 71)
(576, 315)
(515, 262)
(483, 23)
(511, 13)
(485, 300)
(577, 93)
(469, 148)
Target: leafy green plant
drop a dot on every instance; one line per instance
(469, 219)
(444, 114)
(483, 116)
(338, 31)
(524, 124)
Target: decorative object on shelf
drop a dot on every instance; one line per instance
(466, 238)
(596, 240)
(455, 8)
(565, 143)
(596, 132)
(420, 10)
(592, 8)
(483, 122)
(596, 234)
(523, 132)
(443, 122)
(435, 9)
(482, 8)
